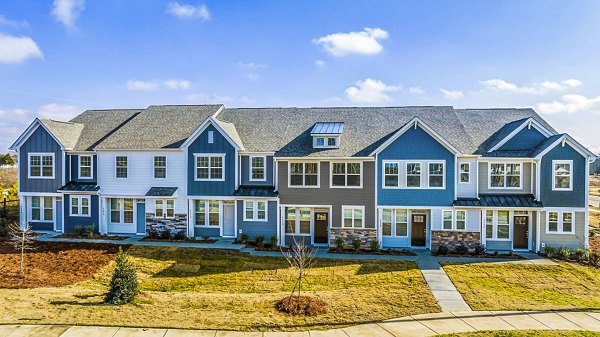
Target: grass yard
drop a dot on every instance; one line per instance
(526, 333)
(527, 287)
(208, 289)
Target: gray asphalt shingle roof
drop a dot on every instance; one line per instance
(99, 124)
(66, 133)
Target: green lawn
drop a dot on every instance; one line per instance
(487, 286)
(208, 289)
(526, 333)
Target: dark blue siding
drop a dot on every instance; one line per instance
(220, 145)
(73, 174)
(254, 228)
(40, 141)
(72, 221)
(207, 231)
(42, 226)
(419, 145)
(574, 198)
(524, 140)
(245, 172)
(141, 217)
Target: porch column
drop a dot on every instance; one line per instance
(22, 211)
(191, 219)
(483, 226)
(103, 227)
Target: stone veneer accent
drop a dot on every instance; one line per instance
(176, 224)
(365, 235)
(451, 239)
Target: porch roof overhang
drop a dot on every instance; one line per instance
(79, 186)
(500, 201)
(161, 191)
(256, 192)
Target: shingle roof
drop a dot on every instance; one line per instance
(99, 124)
(501, 200)
(66, 133)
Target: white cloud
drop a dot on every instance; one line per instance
(253, 76)
(546, 86)
(452, 94)
(416, 90)
(141, 85)
(177, 84)
(184, 11)
(363, 43)
(14, 49)
(570, 104)
(12, 23)
(320, 63)
(252, 65)
(370, 91)
(60, 112)
(67, 11)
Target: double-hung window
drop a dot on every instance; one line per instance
(297, 221)
(42, 209)
(160, 167)
(41, 165)
(210, 166)
(346, 174)
(304, 174)
(164, 208)
(454, 220)
(207, 213)
(391, 175)
(436, 175)
(353, 216)
(503, 175)
(121, 166)
(80, 205)
(85, 167)
(121, 211)
(563, 176)
(394, 222)
(255, 210)
(258, 168)
(560, 223)
(465, 173)
(447, 220)
(413, 174)
(497, 225)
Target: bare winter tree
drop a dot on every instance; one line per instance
(21, 240)
(300, 258)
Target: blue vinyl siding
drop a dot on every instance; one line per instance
(40, 141)
(245, 172)
(42, 226)
(72, 221)
(141, 217)
(72, 161)
(220, 145)
(525, 139)
(492, 246)
(254, 228)
(416, 144)
(207, 231)
(574, 198)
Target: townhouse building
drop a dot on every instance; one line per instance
(403, 176)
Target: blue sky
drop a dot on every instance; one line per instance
(58, 58)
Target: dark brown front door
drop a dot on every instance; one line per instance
(418, 228)
(321, 227)
(521, 232)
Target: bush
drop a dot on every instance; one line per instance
(595, 259)
(549, 251)
(79, 230)
(462, 249)
(374, 245)
(180, 235)
(260, 241)
(580, 254)
(3, 227)
(166, 234)
(244, 237)
(442, 250)
(480, 249)
(339, 243)
(153, 233)
(307, 306)
(123, 284)
(564, 253)
(356, 245)
(89, 229)
(273, 240)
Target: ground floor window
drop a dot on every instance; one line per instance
(497, 225)
(207, 213)
(164, 208)
(560, 223)
(255, 210)
(353, 216)
(80, 205)
(121, 210)
(42, 209)
(454, 220)
(394, 222)
(297, 220)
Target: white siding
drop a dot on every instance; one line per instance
(467, 190)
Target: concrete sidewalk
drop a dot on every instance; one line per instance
(410, 326)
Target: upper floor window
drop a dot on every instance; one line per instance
(255, 210)
(504, 175)
(41, 165)
(121, 166)
(42, 209)
(165, 208)
(85, 167)
(210, 166)
(326, 142)
(353, 216)
(563, 177)
(160, 167)
(560, 223)
(304, 174)
(346, 174)
(465, 173)
(211, 137)
(257, 168)
(413, 174)
(80, 205)
(391, 175)
(436, 174)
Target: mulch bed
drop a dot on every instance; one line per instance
(402, 252)
(54, 264)
(90, 237)
(484, 256)
(595, 243)
(186, 240)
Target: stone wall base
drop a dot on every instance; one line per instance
(175, 224)
(365, 235)
(451, 239)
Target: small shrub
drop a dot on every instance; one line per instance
(79, 230)
(180, 235)
(496, 253)
(511, 253)
(595, 259)
(580, 254)
(166, 234)
(549, 251)
(123, 284)
(273, 240)
(339, 243)
(260, 241)
(89, 229)
(307, 306)
(244, 237)
(206, 238)
(462, 249)
(564, 253)
(480, 249)
(356, 245)
(153, 233)
(375, 245)
(442, 250)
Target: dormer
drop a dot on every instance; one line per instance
(327, 135)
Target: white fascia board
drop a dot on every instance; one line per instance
(29, 131)
(209, 120)
(569, 140)
(529, 122)
(302, 159)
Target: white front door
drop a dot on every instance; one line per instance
(228, 220)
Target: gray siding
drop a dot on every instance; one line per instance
(492, 246)
(570, 241)
(245, 172)
(336, 197)
(207, 231)
(484, 177)
(253, 228)
(40, 141)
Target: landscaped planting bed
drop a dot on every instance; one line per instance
(89, 236)
(526, 333)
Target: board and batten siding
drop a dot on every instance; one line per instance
(325, 196)
(574, 198)
(245, 172)
(526, 139)
(254, 228)
(468, 190)
(570, 241)
(72, 174)
(73, 221)
(40, 141)
(525, 182)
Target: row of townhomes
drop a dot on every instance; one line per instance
(404, 176)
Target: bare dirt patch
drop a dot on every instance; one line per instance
(595, 243)
(53, 264)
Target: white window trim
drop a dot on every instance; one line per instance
(383, 174)
(454, 220)
(154, 166)
(41, 155)
(403, 176)
(207, 213)
(318, 185)
(460, 172)
(42, 208)
(554, 162)
(505, 176)
(122, 212)
(80, 205)
(406, 175)
(255, 211)
(394, 234)
(443, 174)
(164, 208)
(209, 155)
(251, 167)
(345, 173)
(91, 167)
(297, 221)
(326, 142)
(126, 167)
(495, 225)
(560, 222)
(352, 207)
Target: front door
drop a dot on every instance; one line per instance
(418, 230)
(521, 232)
(228, 223)
(321, 227)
